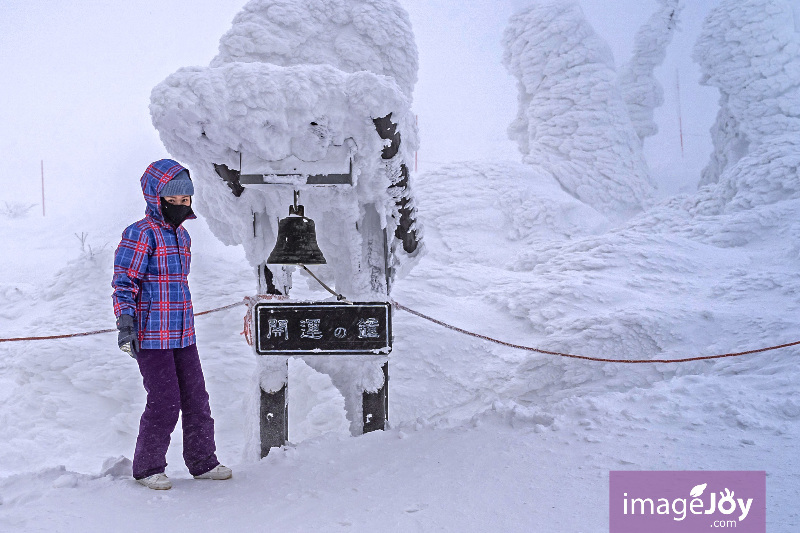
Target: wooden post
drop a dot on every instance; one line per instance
(375, 405)
(274, 417)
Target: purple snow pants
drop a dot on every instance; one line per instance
(174, 383)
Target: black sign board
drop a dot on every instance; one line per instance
(325, 328)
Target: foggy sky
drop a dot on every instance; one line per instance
(77, 78)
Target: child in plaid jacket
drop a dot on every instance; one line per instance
(155, 319)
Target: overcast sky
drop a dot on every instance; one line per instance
(77, 78)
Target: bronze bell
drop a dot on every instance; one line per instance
(297, 241)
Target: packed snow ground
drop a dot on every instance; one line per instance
(483, 436)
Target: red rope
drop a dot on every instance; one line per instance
(99, 331)
(59, 336)
(229, 306)
(248, 335)
(585, 358)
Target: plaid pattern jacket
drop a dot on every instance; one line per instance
(151, 266)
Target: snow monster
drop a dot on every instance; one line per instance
(303, 91)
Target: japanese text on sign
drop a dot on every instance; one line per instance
(323, 328)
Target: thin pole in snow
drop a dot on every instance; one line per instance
(42, 162)
(680, 114)
(416, 158)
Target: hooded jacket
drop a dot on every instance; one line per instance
(151, 266)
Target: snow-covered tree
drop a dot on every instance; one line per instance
(371, 35)
(640, 88)
(302, 88)
(572, 120)
(750, 51)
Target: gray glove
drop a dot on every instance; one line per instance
(128, 339)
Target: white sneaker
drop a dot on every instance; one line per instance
(156, 481)
(218, 472)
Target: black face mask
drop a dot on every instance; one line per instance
(175, 214)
